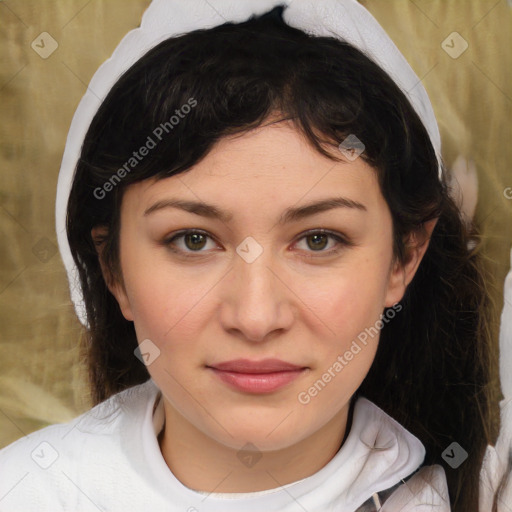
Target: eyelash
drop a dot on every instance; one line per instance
(341, 242)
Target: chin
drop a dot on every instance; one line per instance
(264, 436)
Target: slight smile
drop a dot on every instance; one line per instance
(263, 376)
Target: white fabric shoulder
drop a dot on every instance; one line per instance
(44, 470)
(495, 464)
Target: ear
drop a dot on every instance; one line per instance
(99, 236)
(401, 274)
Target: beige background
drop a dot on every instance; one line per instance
(41, 378)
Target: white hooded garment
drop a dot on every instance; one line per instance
(109, 458)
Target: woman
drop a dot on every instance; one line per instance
(283, 376)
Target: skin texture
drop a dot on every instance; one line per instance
(210, 305)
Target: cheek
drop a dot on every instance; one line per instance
(166, 303)
(350, 298)
(347, 312)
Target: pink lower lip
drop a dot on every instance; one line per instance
(257, 382)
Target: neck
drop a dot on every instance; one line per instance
(201, 463)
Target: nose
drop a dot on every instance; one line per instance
(257, 303)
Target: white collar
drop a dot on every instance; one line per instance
(377, 453)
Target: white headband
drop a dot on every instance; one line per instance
(343, 19)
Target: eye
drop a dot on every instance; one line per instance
(193, 241)
(318, 239)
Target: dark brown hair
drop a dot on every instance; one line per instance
(431, 370)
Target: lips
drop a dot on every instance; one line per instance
(257, 377)
(263, 366)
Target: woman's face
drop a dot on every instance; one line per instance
(259, 280)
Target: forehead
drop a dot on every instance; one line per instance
(271, 166)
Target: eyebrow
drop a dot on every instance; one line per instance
(292, 214)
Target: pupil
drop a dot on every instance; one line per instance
(316, 238)
(195, 237)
